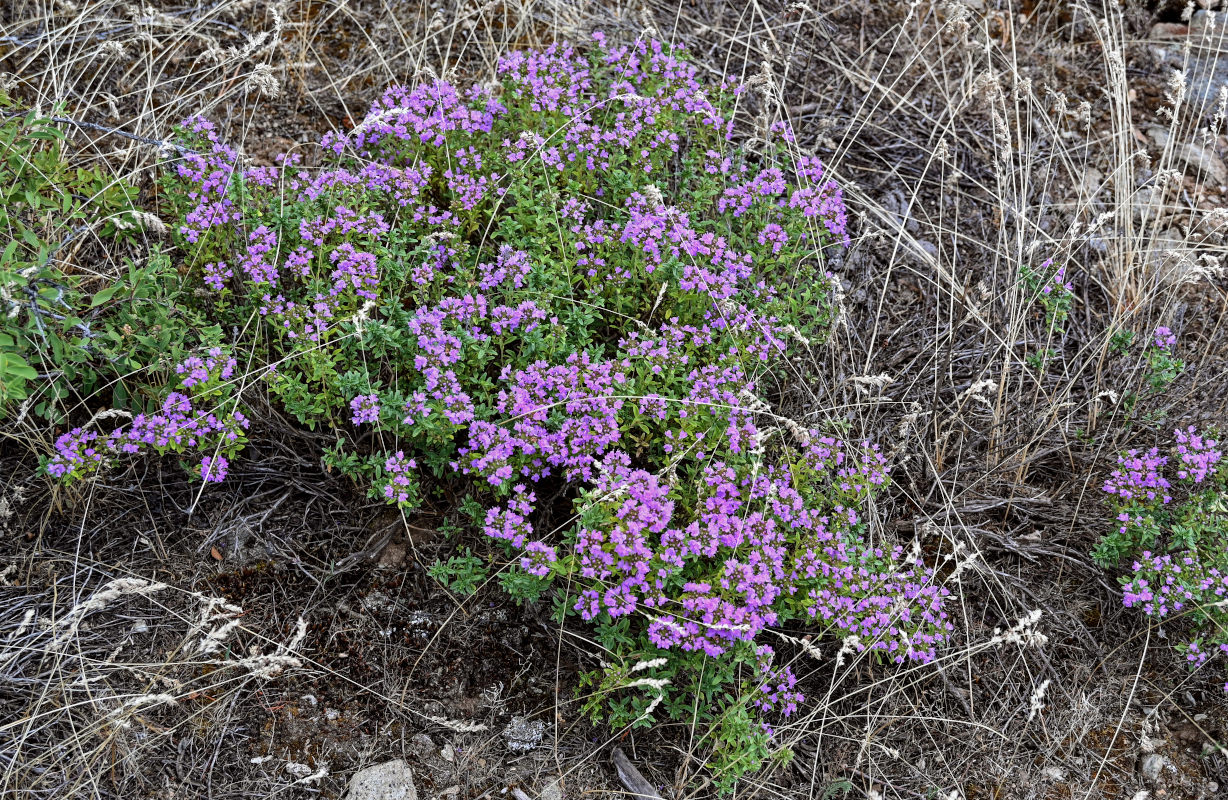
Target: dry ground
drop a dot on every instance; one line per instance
(971, 136)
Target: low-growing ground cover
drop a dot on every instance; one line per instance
(562, 400)
(483, 291)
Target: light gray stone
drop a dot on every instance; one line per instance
(523, 734)
(1152, 767)
(1199, 158)
(391, 780)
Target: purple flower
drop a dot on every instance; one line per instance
(365, 408)
(213, 469)
(1164, 338)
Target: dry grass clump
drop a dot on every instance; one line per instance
(85, 704)
(973, 138)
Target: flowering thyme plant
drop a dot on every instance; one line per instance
(1173, 525)
(567, 285)
(1050, 287)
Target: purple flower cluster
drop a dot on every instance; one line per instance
(1198, 455)
(546, 312)
(213, 469)
(769, 545)
(399, 471)
(192, 422)
(365, 409)
(1191, 580)
(177, 427)
(1168, 584)
(777, 691)
(196, 371)
(1057, 281)
(1164, 338)
(1140, 476)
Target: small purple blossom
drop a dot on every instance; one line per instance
(1164, 338)
(365, 409)
(213, 469)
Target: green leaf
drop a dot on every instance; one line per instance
(14, 366)
(105, 295)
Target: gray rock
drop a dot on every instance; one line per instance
(551, 791)
(1206, 65)
(1199, 158)
(523, 734)
(1152, 766)
(391, 780)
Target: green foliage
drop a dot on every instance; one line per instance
(1047, 285)
(1162, 369)
(63, 337)
(461, 574)
(1120, 341)
(521, 587)
(1172, 527)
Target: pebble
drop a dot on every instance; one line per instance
(523, 734)
(391, 780)
(1152, 766)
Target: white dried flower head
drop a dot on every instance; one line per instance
(110, 592)
(26, 623)
(942, 150)
(1022, 633)
(653, 195)
(1205, 267)
(1174, 93)
(1221, 112)
(850, 646)
(958, 19)
(864, 383)
(657, 684)
(146, 700)
(1165, 177)
(456, 725)
(751, 402)
(265, 667)
(151, 223)
(977, 392)
(1107, 394)
(799, 433)
(212, 642)
(652, 663)
(963, 561)
(264, 81)
(1061, 104)
(112, 49)
(1036, 702)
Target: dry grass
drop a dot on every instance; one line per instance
(972, 139)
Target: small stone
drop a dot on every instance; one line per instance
(1152, 766)
(1201, 159)
(551, 791)
(391, 780)
(523, 734)
(298, 770)
(447, 752)
(1169, 30)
